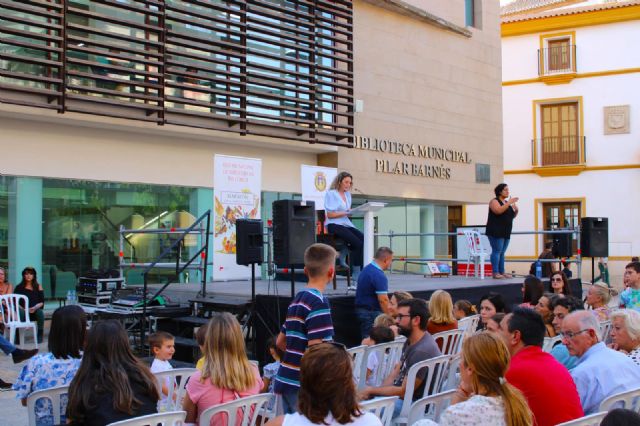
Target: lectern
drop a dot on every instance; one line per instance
(368, 210)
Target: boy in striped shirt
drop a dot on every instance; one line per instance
(308, 322)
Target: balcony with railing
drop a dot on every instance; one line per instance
(265, 67)
(558, 153)
(557, 63)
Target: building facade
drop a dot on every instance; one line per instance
(571, 95)
(111, 114)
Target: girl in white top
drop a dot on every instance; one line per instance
(484, 398)
(327, 395)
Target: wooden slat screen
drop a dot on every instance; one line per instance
(279, 68)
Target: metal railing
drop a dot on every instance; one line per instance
(558, 151)
(423, 260)
(557, 60)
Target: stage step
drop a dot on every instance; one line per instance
(192, 320)
(185, 341)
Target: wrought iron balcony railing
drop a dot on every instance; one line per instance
(558, 151)
(557, 60)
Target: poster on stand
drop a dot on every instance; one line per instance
(315, 183)
(237, 184)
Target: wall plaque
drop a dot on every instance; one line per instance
(616, 119)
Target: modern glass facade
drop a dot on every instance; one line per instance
(66, 228)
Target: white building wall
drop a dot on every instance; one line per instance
(610, 193)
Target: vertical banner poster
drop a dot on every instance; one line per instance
(237, 183)
(315, 183)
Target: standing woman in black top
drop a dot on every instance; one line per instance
(30, 287)
(502, 211)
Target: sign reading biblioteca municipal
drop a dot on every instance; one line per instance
(413, 166)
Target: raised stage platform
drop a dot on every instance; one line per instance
(273, 297)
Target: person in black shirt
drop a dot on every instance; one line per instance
(30, 287)
(111, 384)
(502, 211)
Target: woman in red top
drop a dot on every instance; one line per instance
(441, 310)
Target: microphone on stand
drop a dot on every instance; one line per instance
(354, 189)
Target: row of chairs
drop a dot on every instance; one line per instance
(550, 342)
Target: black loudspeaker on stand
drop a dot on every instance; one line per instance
(562, 245)
(594, 239)
(294, 229)
(249, 251)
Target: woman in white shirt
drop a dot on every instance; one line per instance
(337, 204)
(327, 395)
(484, 397)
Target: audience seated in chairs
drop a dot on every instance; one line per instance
(111, 383)
(33, 290)
(600, 372)
(546, 312)
(490, 304)
(546, 384)
(441, 311)
(327, 395)
(411, 320)
(58, 366)
(226, 374)
(463, 308)
(625, 333)
(563, 306)
(484, 397)
(598, 298)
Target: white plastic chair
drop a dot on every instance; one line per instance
(451, 341)
(477, 252)
(629, 400)
(170, 418)
(177, 382)
(436, 369)
(13, 304)
(388, 355)
(381, 407)
(54, 396)
(590, 420)
(605, 330)
(469, 324)
(452, 378)
(550, 342)
(430, 407)
(248, 407)
(357, 354)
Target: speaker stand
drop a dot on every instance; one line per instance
(253, 313)
(593, 270)
(293, 282)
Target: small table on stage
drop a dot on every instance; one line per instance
(368, 210)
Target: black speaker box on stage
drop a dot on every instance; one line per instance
(249, 241)
(562, 246)
(294, 229)
(594, 236)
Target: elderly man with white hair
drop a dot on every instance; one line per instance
(625, 333)
(600, 371)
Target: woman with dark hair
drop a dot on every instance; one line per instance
(490, 304)
(327, 395)
(111, 383)
(59, 365)
(560, 283)
(30, 287)
(502, 211)
(337, 204)
(532, 290)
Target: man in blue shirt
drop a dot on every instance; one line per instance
(601, 372)
(372, 293)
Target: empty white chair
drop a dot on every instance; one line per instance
(248, 407)
(590, 420)
(469, 324)
(436, 368)
(176, 381)
(477, 252)
(170, 418)
(430, 407)
(451, 341)
(381, 407)
(629, 400)
(550, 342)
(386, 356)
(357, 354)
(57, 403)
(13, 305)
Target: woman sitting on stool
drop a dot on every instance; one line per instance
(337, 203)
